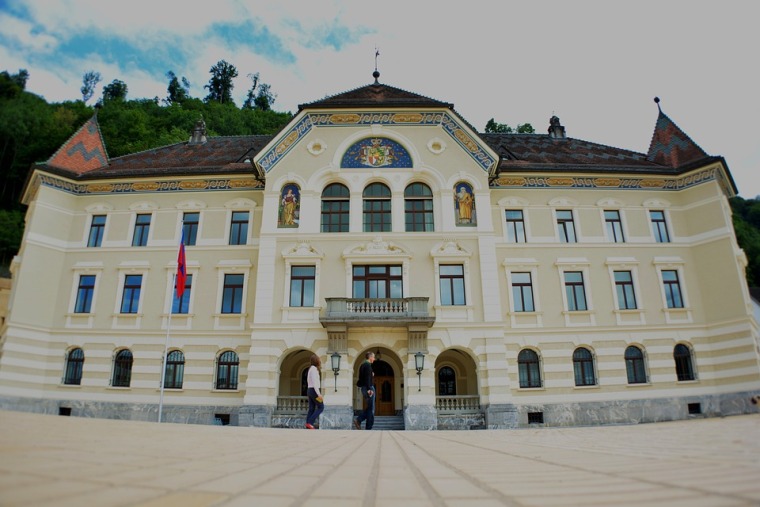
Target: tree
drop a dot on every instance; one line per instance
(262, 99)
(117, 90)
(11, 85)
(502, 128)
(220, 85)
(89, 81)
(178, 93)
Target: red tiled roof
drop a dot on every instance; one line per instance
(82, 152)
(670, 146)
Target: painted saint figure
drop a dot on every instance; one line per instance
(289, 207)
(465, 205)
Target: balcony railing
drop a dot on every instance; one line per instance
(457, 404)
(379, 311)
(292, 404)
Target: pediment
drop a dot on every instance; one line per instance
(376, 247)
(302, 249)
(449, 248)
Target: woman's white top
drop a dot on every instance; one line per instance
(312, 379)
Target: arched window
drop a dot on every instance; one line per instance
(377, 208)
(583, 367)
(447, 381)
(684, 366)
(528, 368)
(122, 369)
(227, 371)
(634, 365)
(175, 370)
(335, 208)
(418, 208)
(74, 365)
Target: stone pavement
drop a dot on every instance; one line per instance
(57, 461)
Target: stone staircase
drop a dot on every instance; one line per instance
(389, 422)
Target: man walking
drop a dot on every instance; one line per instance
(368, 392)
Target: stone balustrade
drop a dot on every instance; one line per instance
(457, 404)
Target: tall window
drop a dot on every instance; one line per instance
(85, 293)
(182, 304)
(227, 371)
(528, 368)
(377, 208)
(377, 282)
(447, 381)
(575, 291)
(97, 227)
(624, 287)
(684, 366)
(190, 222)
(452, 284)
(239, 228)
(232, 293)
(130, 299)
(515, 226)
(566, 226)
(614, 226)
(335, 208)
(583, 367)
(418, 208)
(659, 226)
(522, 292)
(302, 279)
(142, 228)
(175, 370)
(672, 288)
(634, 365)
(122, 369)
(74, 365)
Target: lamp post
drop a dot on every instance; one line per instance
(419, 364)
(335, 363)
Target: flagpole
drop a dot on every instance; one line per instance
(166, 348)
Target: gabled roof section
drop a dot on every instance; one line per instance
(376, 95)
(84, 151)
(670, 145)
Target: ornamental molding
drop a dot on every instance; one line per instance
(302, 249)
(376, 247)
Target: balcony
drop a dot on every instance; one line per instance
(388, 312)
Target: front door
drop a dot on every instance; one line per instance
(384, 383)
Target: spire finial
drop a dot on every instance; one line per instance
(657, 101)
(376, 74)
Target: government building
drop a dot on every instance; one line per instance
(502, 280)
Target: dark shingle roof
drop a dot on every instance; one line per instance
(375, 95)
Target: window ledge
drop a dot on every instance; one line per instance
(595, 386)
(225, 390)
(70, 386)
(532, 389)
(119, 388)
(639, 384)
(577, 312)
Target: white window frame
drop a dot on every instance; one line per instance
(524, 319)
(627, 316)
(674, 315)
(302, 254)
(232, 321)
(576, 317)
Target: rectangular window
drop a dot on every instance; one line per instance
(575, 291)
(232, 293)
(659, 226)
(85, 292)
(377, 282)
(97, 227)
(190, 227)
(302, 280)
(142, 227)
(182, 304)
(566, 226)
(522, 292)
(130, 299)
(377, 215)
(452, 284)
(672, 288)
(239, 228)
(614, 226)
(624, 287)
(515, 226)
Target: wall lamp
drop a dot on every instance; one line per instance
(335, 363)
(419, 364)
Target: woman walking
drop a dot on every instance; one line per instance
(316, 404)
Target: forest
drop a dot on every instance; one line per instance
(31, 130)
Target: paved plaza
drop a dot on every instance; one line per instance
(57, 461)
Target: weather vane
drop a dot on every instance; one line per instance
(376, 74)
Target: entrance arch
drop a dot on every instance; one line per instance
(388, 379)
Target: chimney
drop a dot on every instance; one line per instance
(556, 131)
(199, 133)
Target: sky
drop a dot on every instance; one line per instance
(597, 65)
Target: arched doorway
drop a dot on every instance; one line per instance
(385, 385)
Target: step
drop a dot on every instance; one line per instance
(390, 423)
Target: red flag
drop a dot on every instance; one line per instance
(181, 268)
